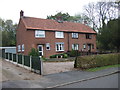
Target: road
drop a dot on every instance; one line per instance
(103, 82)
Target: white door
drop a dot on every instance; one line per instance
(40, 49)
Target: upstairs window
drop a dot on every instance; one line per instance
(88, 36)
(59, 34)
(39, 34)
(74, 35)
(22, 47)
(75, 46)
(19, 48)
(47, 46)
(60, 46)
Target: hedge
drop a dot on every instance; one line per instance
(59, 55)
(92, 61)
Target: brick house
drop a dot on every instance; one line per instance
(52, 36)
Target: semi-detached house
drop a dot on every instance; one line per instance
(53, 36)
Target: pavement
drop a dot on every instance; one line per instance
(59, 79)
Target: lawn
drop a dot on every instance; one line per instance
(101, 68)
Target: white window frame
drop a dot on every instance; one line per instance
(47, 45)
(59, 34)
(23, 47)
(74, 35)
(39, 34)
(75, 46)
(84, 46)
(19, 48)
(59, 46)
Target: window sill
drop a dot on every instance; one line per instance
(74, 38)
(60, 51)
(39, 37)
(59, 38)
(88, 38)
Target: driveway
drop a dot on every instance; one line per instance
(57, 67)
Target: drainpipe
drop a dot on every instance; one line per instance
(68, 42)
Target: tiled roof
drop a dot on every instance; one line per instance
(48, 24)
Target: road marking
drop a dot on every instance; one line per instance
(68, 83)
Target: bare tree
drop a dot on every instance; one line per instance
(100, 13)
(90, 12)
(105, 12)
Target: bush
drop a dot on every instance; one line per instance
(65, 56)
(59, 55)
(93, 61)
(74, 53)
(33, 52)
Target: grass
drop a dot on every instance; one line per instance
(101, 68)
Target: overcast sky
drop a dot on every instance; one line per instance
(10, 9)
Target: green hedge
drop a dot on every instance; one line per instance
(85, 62)
(59, 55)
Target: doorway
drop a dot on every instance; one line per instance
(40, 50)
(89, 47)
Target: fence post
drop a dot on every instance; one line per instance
(17, 58)
(12, 57)
(8, 56)
(23, 60)
(5, 55)
(31, 63)
(41, 68)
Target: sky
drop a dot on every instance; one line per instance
(10, 9)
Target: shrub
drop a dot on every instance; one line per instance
(65, 56)
(33, 52)
(93, 61)
(74, 53)
(53, 56)
(59, 55)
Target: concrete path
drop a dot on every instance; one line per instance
(53, 80)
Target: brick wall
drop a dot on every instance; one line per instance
(27, 37)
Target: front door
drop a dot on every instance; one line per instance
(89, 47)
(40, 50)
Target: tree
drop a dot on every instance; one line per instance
(110, 36)
(113, 26)
(90, 12)
(100, 13)
(8, 31)
(59, 15)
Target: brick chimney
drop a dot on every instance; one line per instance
(21, 13)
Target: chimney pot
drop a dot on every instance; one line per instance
(21, 13)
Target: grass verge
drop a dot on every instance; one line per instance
(101, 68)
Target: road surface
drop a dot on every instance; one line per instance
(103, 82)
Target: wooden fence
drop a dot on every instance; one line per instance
(29, 62)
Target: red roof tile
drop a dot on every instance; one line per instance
(48, 24)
